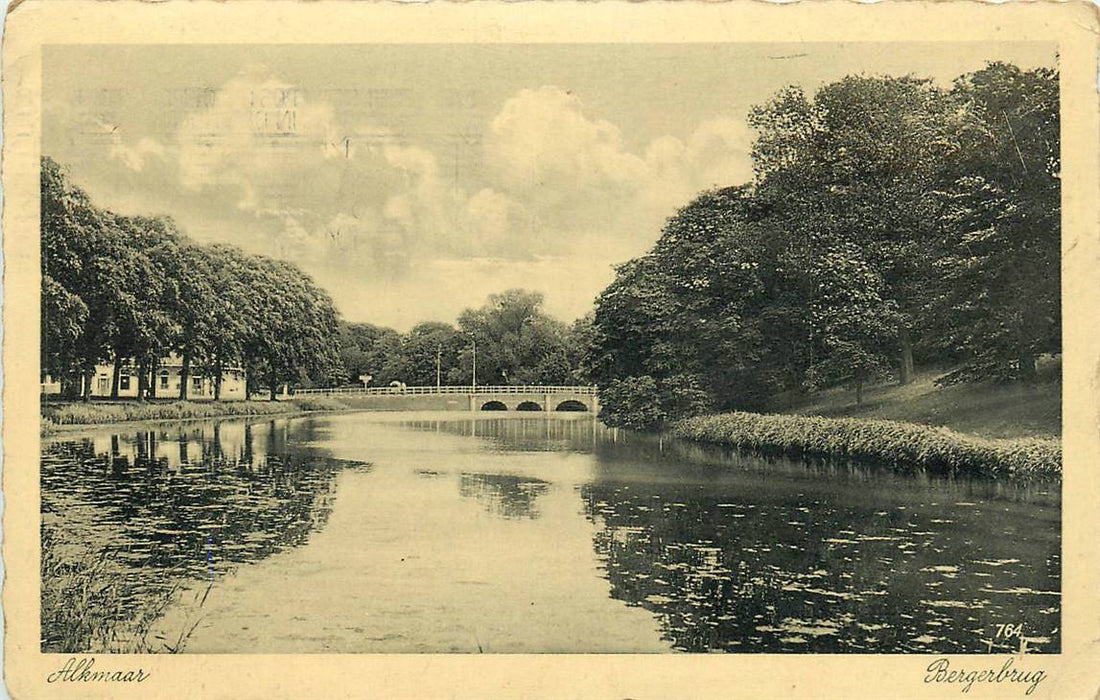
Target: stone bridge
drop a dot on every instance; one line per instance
(476, 398)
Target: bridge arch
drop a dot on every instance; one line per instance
(529, 406)
(572, 405)
(494, 406)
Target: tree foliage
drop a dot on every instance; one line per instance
(514, 340)
(131, 290)
(888, 219)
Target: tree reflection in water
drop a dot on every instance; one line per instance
(504, 494)
(190, 502)
(738, 572)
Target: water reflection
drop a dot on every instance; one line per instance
(623, 540)
(540, 433)
(506, 495)
(740, 552)
(728, 566)
(187, 502)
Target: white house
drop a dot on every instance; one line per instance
(167, 382)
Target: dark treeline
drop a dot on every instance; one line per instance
(889, 222)
(132, 290)
(514, 340)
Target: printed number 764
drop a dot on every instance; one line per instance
(1009, 630)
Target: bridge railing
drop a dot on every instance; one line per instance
(423, 390)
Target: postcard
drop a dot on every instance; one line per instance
(529, 350)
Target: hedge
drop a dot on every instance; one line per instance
(902, 445)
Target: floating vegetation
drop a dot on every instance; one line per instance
(716, 576)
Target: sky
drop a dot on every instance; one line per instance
(412, 181)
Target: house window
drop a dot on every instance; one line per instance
(164, 380)
(196, 384)
(124, 382)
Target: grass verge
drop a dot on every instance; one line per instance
(990, 410)
(61, 414)
(905, 446)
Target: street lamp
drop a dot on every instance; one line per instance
(474, 343)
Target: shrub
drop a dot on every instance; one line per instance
(902, 445)
(80, 413)
(631, 403)
(645, 403)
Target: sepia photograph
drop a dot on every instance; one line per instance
(619, 348)
(550, 350)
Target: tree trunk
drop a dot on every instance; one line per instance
(114, 377)
(1027, 367)
(89, 375)
(154, 372)
(859, 392)
(271, 380)
(185, 371)
(143, 379)
(217, 379)
(906, 374)
(70, 386)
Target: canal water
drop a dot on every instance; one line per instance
(521, 533)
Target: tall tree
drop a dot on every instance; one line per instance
(429, 347)
(294, 331)
(514, 340)
(231, 311)
(1000, 281)
(195, 310)
(79, 252)
(860, 164)
(134, 289)
(694, 307)
(147, 296)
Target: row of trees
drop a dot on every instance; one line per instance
(890, 221)
(514, 340)
(132, 290)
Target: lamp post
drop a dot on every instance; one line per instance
(474, 342)
(438, 355)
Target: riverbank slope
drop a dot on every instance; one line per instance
(988, 410)
(998, 430)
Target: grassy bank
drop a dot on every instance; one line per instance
(901, 445)
(988, 410)
(55, 415)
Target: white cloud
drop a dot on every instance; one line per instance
(256, 131)
(571, 171)
(133, 157)
(380, 223)
(542, 139)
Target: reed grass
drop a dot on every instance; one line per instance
(905, 446)
(88, 606)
